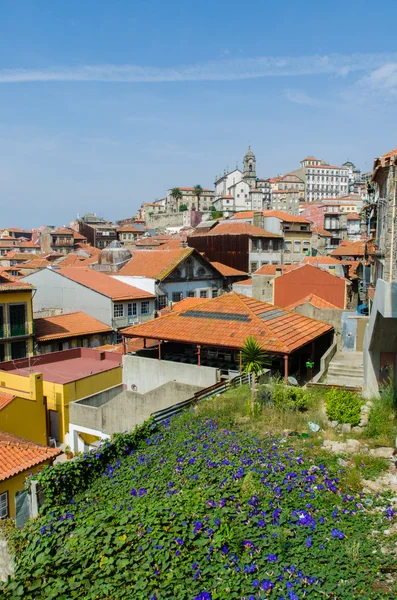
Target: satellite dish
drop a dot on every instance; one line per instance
(292, 380)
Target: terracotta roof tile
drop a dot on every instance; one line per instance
(18, 455)
(320, 260)
(7, 285)
(5, 399)
(107, 286)
(183, 305)
(347, 248)
(68, 325)
(28, 245)
(228, 320)
(155, 263)
(314, 301)
(236, 228)
(353, 217)
(320, 231)
(273, 269)
(227, 271)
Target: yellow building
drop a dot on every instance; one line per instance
(23, 411)
(67, 376)
(18, 459)
(16, 319)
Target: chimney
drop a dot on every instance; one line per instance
(36, 386)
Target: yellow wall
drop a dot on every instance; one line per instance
(21, 297)
(17, 484)
(57, 397)
(26, 415)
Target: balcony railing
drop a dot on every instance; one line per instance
(16, 330)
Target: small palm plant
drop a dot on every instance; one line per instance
(253, 359)
(176, 194)
(198, 190)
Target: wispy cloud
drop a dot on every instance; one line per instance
(382, 79)
(300, 97)
(222, 70)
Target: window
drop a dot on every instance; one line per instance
(190, 294)
(201, 271)
(203, 293)
(215, 292)
(254, 267)
(162, 302)
(303, 227)
(18, 350)
(145, 307)
(132, 309)
(118, 310)
(4, 505)
(2, 352)
(306, 246)
(297, 246)
(287, 246)
(264, 262)
(255, 244)
(17, 319)
(177, 296)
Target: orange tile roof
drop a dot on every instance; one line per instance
(75, 260)
(28, 245)
(18, 455)
(182, 305)
(68, 325)
(130, 229)
(155, 263)
(245, 281)
(236, 228)
(7, 285)
(347, 248)
(273, 269)
(78, 236)
(228, 320)
(131, 345)
(320, 231)
(227, 271)
(107, 286)
(320, 260)
(149, 242)
(353, 216)
(5, 399)
(35, 263)
(390, 154)
(314, 301)
(283, 216)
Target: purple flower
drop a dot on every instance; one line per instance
(336, 533)
(308, 541)
(133, 492)
(266, 585)
(272, 557)
(142, 492)
(203, 596)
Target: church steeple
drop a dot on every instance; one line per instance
(249, 166)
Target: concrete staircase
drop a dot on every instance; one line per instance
(346, 368)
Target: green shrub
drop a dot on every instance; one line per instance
(343, 406)
(285, 396)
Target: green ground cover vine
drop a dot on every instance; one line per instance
(194, 511)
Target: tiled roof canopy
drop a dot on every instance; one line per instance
(18, 455)
(69, 325)
(347, 248)
(236, 228)
(228, 320)
(227, 271)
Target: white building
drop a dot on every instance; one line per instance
(323, 180)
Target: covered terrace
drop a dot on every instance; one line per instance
(213, 332)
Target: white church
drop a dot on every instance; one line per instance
(242, 190)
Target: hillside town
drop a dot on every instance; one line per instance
(106, 324)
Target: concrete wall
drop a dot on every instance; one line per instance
(148, 373)
(380, 335)
(109, 413)
(57, 292)
(327, 315)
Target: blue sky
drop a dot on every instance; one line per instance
(104, 105)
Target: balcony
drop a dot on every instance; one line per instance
(17, 330)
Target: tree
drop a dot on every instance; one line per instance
(176, 194)
(198, 190)
(183, 207)
(253, 358)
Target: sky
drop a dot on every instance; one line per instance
(107, 104)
